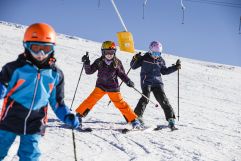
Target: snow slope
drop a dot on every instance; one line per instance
(210, 117)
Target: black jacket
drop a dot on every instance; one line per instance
(151, 70)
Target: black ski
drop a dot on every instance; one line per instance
(160, 127)
(125, 130)
(79, 129)
(173, 128)
(87, 129)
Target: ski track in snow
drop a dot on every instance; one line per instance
(210, 118)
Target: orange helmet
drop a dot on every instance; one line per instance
(108, 45)
(40, 32)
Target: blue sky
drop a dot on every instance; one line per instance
(209, 33)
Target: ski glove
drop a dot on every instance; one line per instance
(86, 59)
(130, 84)
(137, 56)
(3, 91)
(178, 64)
(72, 120)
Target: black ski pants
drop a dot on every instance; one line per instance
(160, 97)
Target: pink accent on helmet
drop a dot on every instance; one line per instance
(155, 46)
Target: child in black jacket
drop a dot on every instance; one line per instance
(152, 67)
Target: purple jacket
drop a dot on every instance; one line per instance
(107, 74)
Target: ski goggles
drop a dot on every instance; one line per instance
(156, 54)
(109, 51)
(36, 47)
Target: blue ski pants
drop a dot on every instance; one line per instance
(28, 149)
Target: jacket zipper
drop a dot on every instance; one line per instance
(144, 79)
(31, 107)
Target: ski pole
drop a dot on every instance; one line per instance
(87, 53)
(123, 81)
(120, 84)
(156, 105)
(178, 94)
(73, 135)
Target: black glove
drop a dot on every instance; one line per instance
(178, 64)
(137, 56)
(86, 59)
(130, 84)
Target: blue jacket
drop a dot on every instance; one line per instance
(151, 70)
(27, 91)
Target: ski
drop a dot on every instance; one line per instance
(160, 127)
(157, 128)
(78, 129)
(87, 129)
(126, 130)
(173, 128)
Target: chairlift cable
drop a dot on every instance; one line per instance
(217, 3)
(221, 2)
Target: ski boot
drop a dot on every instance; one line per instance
(141, 121)
(136, 124)
(80, 120)
(171, 124)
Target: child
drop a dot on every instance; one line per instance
(152, 66)
(109, 67)
(27, 85)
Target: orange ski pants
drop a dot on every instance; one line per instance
(115, 97)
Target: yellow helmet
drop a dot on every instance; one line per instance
(108, 45)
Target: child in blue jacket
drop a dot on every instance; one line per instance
(28, 85)
(152, 67)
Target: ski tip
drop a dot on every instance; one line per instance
(157, 128)
(124, 131)
(88, 129)
(85, 129)
(174, 128)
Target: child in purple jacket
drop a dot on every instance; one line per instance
(109, 67)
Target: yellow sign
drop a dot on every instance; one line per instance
(126, 42)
